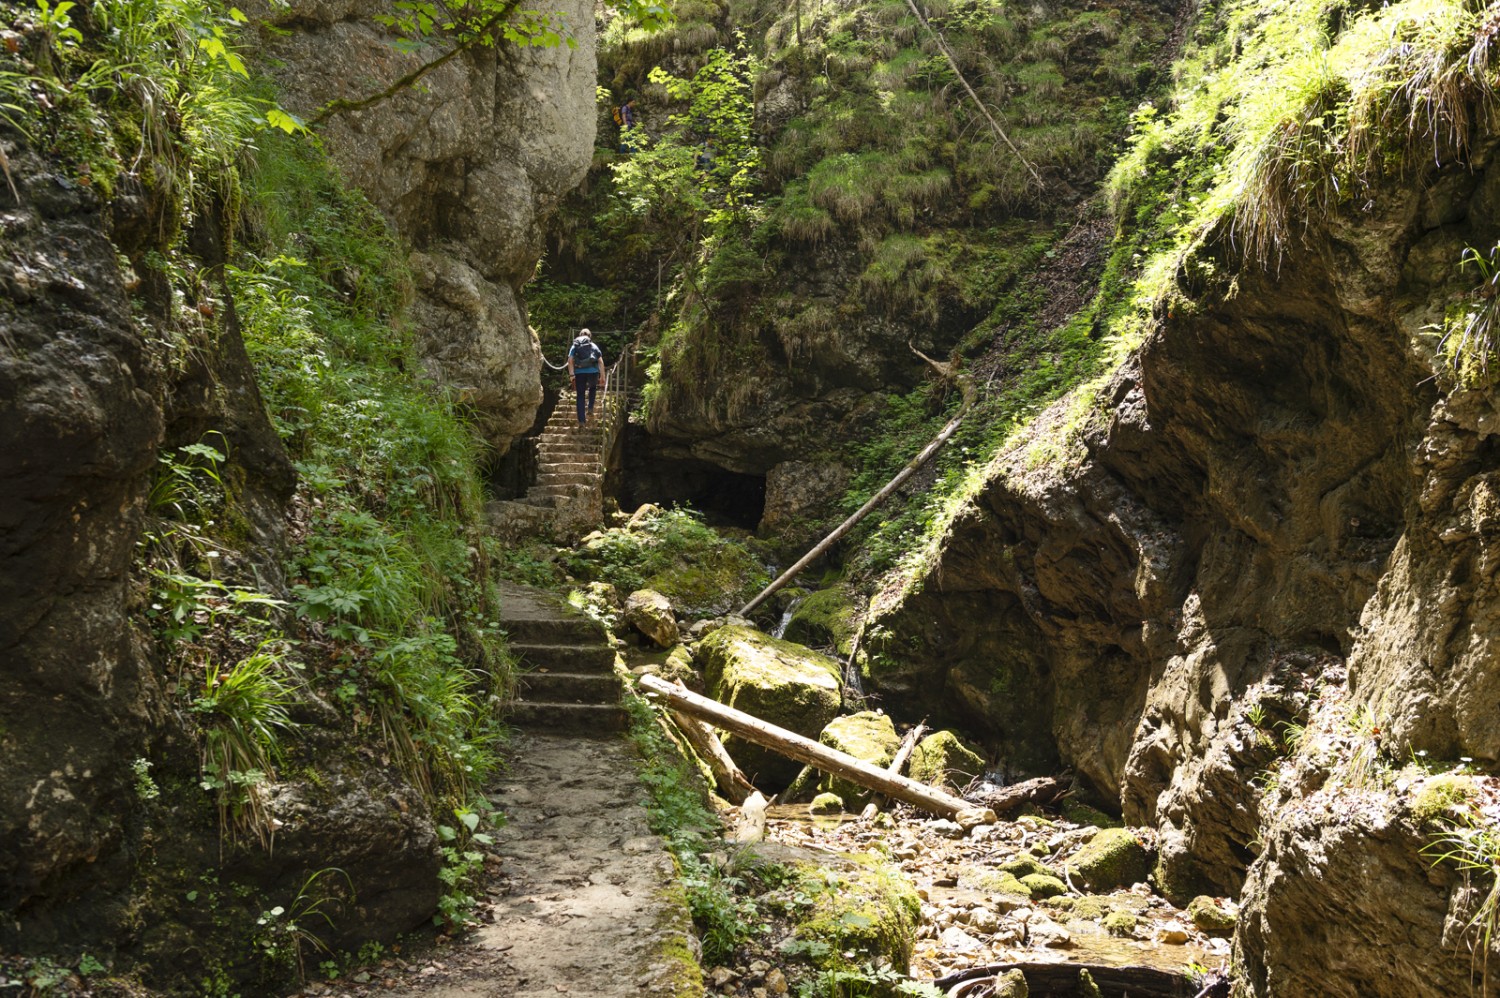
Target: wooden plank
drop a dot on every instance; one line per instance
(1060, 980)
(794, 746)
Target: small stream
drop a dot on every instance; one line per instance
(786, 618)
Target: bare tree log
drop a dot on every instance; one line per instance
(730, 780)
(794, 746)
(908, 744)
(1042, 790)
(1060, 980)
(910, 469)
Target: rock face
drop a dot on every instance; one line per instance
(88, 399)
(468, 166)
(776, 681)
(1280, 490)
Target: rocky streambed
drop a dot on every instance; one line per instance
(1039, 890)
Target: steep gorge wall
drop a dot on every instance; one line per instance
(107, 363)
(468, 163)
(1279, 491)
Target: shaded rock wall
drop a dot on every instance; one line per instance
(1283, 483)
(467, 165)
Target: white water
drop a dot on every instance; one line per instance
(786, 618)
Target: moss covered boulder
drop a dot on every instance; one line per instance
(825, 619)
(1113, 858)
(944, 759)
(869, 737)
(1211, 917)
(776, 681)
(1043, 886)
(870, 910)
(994, 882)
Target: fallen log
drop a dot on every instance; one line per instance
(1061, 980)
(794, 746)
(727, 776)
(908, 744)
(1040, 791)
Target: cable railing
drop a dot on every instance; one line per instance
(616, 407)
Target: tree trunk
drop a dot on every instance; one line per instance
(1042, 790)
(859, 514)
(908, 744)
(794, 746)
(731, 782)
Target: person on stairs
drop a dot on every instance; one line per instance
(585, 362)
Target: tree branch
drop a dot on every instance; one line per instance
(341, 104)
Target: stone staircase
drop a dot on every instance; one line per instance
(570, 458)
(567, 500)
(568, 683)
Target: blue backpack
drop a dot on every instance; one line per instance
(585, 355)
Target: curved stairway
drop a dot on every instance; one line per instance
(568, 682)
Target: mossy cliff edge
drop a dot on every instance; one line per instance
(252, 672)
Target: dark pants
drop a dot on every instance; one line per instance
(586, 383)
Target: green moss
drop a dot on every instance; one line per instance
(826, 803)
(1043, 886)
(943, 758)
(993, 882)
(1113, 858)
(872, 910)
(1120, 923)
(1026, 866)
(1439, 795)
(1210, 917)
(824, 619)
(869, 737)
(1079, 813)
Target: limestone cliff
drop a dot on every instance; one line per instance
(1256, 575)
(468, 164)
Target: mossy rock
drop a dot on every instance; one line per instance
(1011, 984)
(1025, 866)
(1439, 794)
(870, 909)
(802, 789)
(777, 681)
(1113, 858)
(1120, 923)
(1079, 813)
(826, 803)
(1043, 886)
(679, 667)
(1209, 917)
(993, 882)
(825, 619)
(869, 737)
(944, 759)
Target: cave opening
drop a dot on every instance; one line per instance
(725, 498)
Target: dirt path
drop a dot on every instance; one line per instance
(585, 902)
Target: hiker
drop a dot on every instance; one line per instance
(627, 117)
(705, 160)
(585, 362)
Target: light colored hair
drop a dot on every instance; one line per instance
(583, 334)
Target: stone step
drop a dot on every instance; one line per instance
(561, 491)
(574, 630)
(571, 687)
(582, 719)
(556, 653)
(568, 478)
(546, 466)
